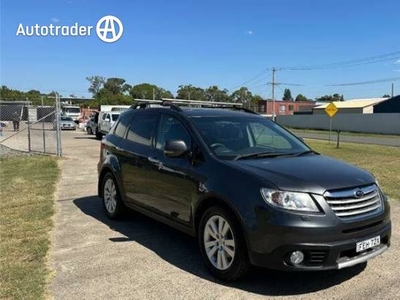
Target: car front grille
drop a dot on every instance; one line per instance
(354, 202)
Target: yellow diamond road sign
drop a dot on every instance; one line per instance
(331, 109)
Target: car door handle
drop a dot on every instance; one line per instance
(153, 160)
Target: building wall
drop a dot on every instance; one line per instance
(391, 105)
(385, 123)
(283, 107)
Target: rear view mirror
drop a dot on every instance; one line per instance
(175, 148)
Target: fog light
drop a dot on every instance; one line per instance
(296, 257)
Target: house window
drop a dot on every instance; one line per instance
(291, 107)
(282, 108)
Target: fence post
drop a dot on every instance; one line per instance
(44, 135)
(338, 138)
(29, 126)
(58, 116)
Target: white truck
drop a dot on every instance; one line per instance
(106, 121)
(71, 111)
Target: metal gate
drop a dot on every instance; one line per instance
(30, 129)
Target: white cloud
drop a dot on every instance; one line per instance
(55, 20)
(250, 32)
(397, 62)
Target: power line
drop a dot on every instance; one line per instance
(258, 81)
(367, 82)
(348, 63)
(251, 79)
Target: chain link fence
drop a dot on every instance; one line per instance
(26, 129)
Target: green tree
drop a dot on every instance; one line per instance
(242, 95)
(148, 91)
(96, 83)
(116, 85)
(213, 93)
(386, 96)
(287, 95)
(301, 97)
(190, 92)
(330, 98)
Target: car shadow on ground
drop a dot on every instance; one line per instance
(86, 137)
(182, 251)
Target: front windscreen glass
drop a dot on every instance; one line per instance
(233, 137)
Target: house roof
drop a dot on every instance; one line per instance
(354, 103)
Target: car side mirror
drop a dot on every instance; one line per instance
(107, 119)
(175, 148)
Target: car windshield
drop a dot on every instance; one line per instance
(115, 117)
(66, 119)
(247, 137)
(73, 110)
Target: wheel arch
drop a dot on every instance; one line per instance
(219, 202)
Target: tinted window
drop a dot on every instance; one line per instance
(171, 129)
(142, 128)
(115, 117)
(232, 136)
(121, 127)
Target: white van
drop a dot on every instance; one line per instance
(106, 121)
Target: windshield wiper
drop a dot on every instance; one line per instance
(273, 154)
(305, 153)
(259, 155)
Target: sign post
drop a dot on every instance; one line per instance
(331, 110)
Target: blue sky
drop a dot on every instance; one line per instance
(204, 43)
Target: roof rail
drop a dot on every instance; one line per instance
(200, 102)
(174, 104)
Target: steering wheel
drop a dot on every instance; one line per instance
(216, 145)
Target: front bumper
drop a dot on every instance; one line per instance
(321, 255)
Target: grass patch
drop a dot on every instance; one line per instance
(383, 162)
(27, 186)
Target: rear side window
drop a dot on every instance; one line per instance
(121, 127)
(142, 129)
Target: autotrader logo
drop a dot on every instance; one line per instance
(109, 29)
(106, 29)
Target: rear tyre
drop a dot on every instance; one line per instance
(98, 134)
(222, 244)
(111, 197)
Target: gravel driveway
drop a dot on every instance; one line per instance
(138, 258)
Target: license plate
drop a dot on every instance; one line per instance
(361, 246)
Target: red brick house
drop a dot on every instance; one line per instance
(266, 107)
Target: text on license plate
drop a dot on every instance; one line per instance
(361, 246)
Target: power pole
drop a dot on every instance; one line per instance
(273, 94)
(392, 90)
(154, 94)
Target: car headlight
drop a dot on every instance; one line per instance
(289, 200)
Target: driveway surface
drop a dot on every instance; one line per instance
(138, 258)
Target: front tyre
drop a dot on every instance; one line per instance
(222, 244)
(112, 202)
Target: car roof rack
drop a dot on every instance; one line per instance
(176, 103)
